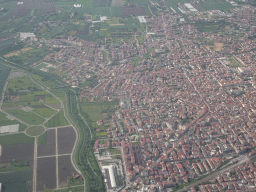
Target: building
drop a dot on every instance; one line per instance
(110, 176)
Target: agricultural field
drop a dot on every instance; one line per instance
(5, 121)
(15, 139)
(4, 73)
(95, 109)
(28, 117)
(35, 131)
(46, 143)
(57, 120)
(17, 181)
(218, 5)
(45, 112)
(30, 57)
(66, 140)
(66, 169)
(46, 173)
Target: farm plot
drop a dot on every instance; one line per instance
(45, 112)
(16, 181)
(5, 121)
(215, 4)
(102, 3)
(35, 131)
(57, 120)
(46, 173)
(66, 140)
(135, 11)
(117, 3)
(48, 148)
(66, 169)
(4, 73)
(95, 109)
(15, 139)
(19, 152)
(28, 117)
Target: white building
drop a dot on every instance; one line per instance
(26, 35)
(111, 175)
(9, 128)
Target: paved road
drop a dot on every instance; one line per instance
(35, 166)
(242, 160)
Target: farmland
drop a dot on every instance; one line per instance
(28, 117)
(46, 173)
(4, 73)
(57, 120)
(5, 121)
(16, 181)
(45, 112)
(47, 148)
(66, 140)
(35, 131)
(15, 138)
(95, 109)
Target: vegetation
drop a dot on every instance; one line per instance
(95, 109)
(15, 139)
(15, 166)
(16, 181)
(42, 139)
(84, 154)
(28, 117)
(45, 112)
(4, 73)
(5, 121)
(234, 63)
(57, 120)
(35, 131)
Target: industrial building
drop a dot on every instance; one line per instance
(109, 176)
(9, 128)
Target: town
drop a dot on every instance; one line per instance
(175, 99)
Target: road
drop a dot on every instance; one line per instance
(242, 160)
(35, 148)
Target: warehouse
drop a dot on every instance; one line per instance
(110, 176)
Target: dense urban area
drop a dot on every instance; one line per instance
(127, 95)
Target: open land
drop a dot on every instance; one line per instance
(48, 148)
(66, 139)
(46, 173)
(66, 170)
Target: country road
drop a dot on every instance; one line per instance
(243, 160)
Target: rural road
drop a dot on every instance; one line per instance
(242, 160)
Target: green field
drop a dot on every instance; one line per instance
(95, 109)
(21, 83)
(234, 63)
(57, 120)
(215, 4)
(45, 112)
(15, 139)
(16, 181)
(15, 166)
(42, 139)
(5, 121)
(35, 131)
(4, 73)
(28, 117)
(70, 189)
